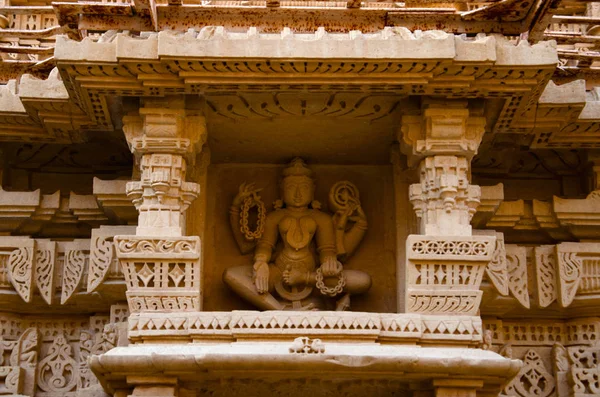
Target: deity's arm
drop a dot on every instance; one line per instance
(245, 246)
(266, 244)
(354, 236)
(325, 237)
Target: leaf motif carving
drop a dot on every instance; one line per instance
(517, 275)
(58, 371)
(569, 275)
(20, 266)
(101, 257)
(44, 273)
(496, 269)
(72, 274)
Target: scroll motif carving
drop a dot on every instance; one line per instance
(533, 379)
(11, 380)
(21, 271)
(45, 261)
(149, 246)
(496, 269)
(569, 274)
(58, 371)
(101, 257)
(517, 274)
(585, 370)
(545, 270)
(72, 274)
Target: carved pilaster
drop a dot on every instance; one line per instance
(442, 141)
(445, 264)
(161, 266)
(165, 138)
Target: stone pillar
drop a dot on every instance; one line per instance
(160, 264)
(445, 263)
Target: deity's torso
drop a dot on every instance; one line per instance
(297, 228)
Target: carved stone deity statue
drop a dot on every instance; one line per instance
(298, 249)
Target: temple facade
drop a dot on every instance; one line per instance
(299, 197)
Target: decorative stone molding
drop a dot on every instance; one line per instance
(161, 273)
(444, 273)
(42, 356)
(252, 325)
(39, 266)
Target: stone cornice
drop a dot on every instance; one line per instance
(393, 60)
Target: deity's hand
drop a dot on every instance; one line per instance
(245, 190)
(360, 215)
(292, 276)
(261, 276)
(331, 267)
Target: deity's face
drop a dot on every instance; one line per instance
(298, 191)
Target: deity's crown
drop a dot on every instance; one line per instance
(297, 167)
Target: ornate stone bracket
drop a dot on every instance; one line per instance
(161, 274)
(444, 274)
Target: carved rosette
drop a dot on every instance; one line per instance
(444, 273)
(162, 274)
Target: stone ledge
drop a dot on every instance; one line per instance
(387, 44)
(234, 366)
(269, 325)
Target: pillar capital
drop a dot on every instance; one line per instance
(165, 135)
(165, 125)
(443, 128)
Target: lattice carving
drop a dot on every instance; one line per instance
(74, 266)
(45, 261)
(585, 370)
(21, 270)
(444, 273)
(497, 270)
(569, 273)
(11, 380)
(533, 379)
(545, 271)
(58, 371)
(161, 274)
(517, 274)
(101, 258)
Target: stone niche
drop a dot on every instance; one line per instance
(376, 255)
